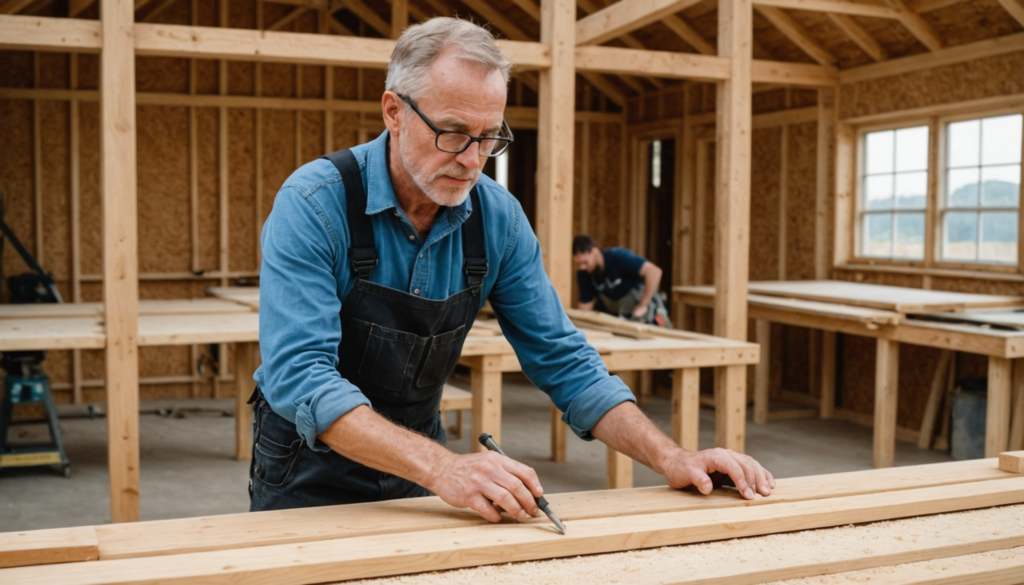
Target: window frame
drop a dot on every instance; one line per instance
(935, 201)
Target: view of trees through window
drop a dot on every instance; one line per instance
(894, 187)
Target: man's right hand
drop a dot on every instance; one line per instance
(483, 481)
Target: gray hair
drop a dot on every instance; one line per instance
(420, 44)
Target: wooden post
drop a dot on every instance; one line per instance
(827, 406)
(399, 17)
(485, 384)
(1017, 418)
(732, 214)
(558, 435)
(997, 419)
(120, 254)
(555, 143)
(931, 411)
(887, 370)
(243, 410)
(76, 223)
(620, 470)
(762, 372)
(822, 183)
(686, 407)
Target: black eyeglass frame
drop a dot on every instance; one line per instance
(471, 139)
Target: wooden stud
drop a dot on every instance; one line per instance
(555, 140)
(860, 36)
(686, 202)
(120, 255)
(822, 184)
(686, 408)
(28, 33)
(243, 411)
(584, 196)
(75, 173)
(932, 210)
(762, 372)
(827, 400)
(1017, 416)
(845, 193)
(485, 381)
(931, 410)
(620, 470)
(887, 361)
(558, 435)
(1012, 461)
(997, 418)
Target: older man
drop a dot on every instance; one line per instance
(375, 262)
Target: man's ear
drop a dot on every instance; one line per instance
(392, 107)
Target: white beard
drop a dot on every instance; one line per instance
(443, 196)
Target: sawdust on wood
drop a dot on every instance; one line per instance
(715, 559)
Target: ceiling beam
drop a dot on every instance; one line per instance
(929, 5)
(793, 74)
(623, 17)
(958, 54)
(686, 32)
(798, 34)
(365, 13)
(1015, 10)
(916, 25)
(860, 36)
(40, 33)
(658, 63)
(158, 10)
(834, 7)
(588, 7)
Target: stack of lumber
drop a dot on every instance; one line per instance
(412, 536)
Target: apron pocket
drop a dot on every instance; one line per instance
(273, 462)
(441, 358)
(387, 356)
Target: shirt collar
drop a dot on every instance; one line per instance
(381, 194)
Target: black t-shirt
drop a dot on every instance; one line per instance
(621, 275)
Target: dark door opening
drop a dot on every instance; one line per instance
(521, 171)
(660, 216)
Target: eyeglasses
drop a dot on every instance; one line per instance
(456, 142)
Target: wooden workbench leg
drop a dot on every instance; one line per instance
(731, 407)
(1017, 417)
(620, 470)
(887, 370)
(486, 388)
(997, 420)
(243, 390)
(686, 407)
(761, 372)
(827, 406)
(558, 435)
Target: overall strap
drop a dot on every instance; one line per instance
(362, 252)
(473, 250)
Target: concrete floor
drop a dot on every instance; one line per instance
(188, 468)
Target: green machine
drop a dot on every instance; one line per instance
(25, 381)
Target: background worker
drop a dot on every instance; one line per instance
(618, 282)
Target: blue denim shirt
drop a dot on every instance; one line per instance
(306, 275)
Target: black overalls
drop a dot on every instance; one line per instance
(397, 348)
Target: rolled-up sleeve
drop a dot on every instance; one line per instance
(553, 353)
(300, 323)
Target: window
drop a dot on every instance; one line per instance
(656, 164)
(894, 194)
(501, 169)
(981, 190)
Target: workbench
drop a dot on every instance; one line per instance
(400, 537)
(684, 353)
(891, 315)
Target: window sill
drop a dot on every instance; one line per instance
(940, 272)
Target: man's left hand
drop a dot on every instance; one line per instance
(640, 311)
(697, 468)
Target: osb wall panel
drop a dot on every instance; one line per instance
(241, 190)
(17, 182)
(800, 201)
(607, 143)
(764, 203)
(90, 208)
(163, 202)
(982, 78)
(207, 156)
(56, 193)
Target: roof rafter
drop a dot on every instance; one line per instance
(288, 18)
(798, 34)
(860, 36)
(916, 25)
(1015, 10)
(690, 35)
(14, 6)
(623, 17)
(365, 13)
(834, 7)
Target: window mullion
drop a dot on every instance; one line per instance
(932, 203)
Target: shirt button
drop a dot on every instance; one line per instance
(411, 237)
(421, 255)
(416, 292)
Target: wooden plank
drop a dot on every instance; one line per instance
(1017, 417)
(33, 33)
(827, 400)
(761, 372)
(623, 17)
(555, 139)
(958, 54)
(931, 410)
(892, 298)
(201, 329)
(792, 30)
(859, 35)
(389, 554)
(244, 386)
(50, 310)
(190, 535)
(822, 184)
(997, 418)
(833, 7)
(686, 408)
(284, 47)
(120, 254)
(485, 380)
(1012, 461)
(44, 547)
(645, 62)
(793, 74)
(887, 371)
